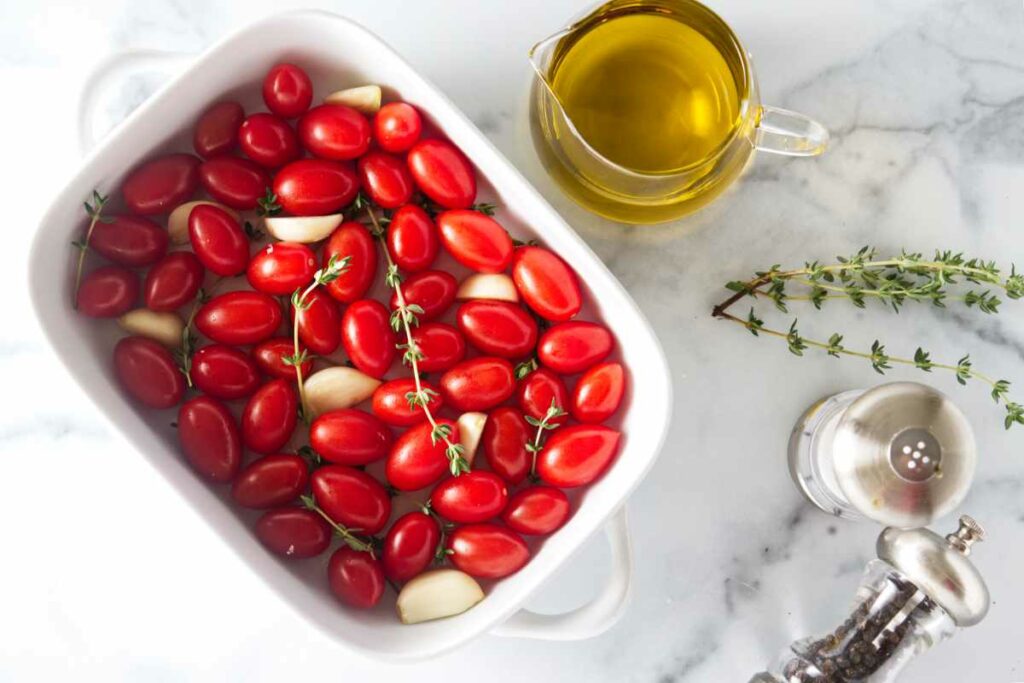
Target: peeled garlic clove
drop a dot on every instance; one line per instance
(305, 229)
(497, 286)
(337, 388)
(177, 222)
(365, 98)
(436, 594)
(471, 427)
(162, 326)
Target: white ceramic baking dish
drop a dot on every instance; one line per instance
(338, 52)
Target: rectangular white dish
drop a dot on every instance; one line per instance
(337, 52)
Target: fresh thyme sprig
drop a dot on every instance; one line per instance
(95, 213)
(326, 275)
(544, 424)
(188, 338)
(267, 205)
(441, 550)
(403, 319)
(347, 535)
(908, 277)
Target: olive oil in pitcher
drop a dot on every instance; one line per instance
(645, 110)
(647, 91)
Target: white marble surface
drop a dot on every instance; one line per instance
(106, 576)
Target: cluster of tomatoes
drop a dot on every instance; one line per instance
(513, 375)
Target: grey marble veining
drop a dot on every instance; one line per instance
(108, 577)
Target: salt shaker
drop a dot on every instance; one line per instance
(919, 591)
(900, 454)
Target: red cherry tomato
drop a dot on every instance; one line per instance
(476, 240)
(441, 344)
(209, 438)
(599, 393)
(577, 455)
(386, 179)
(334, 131)
(504, 440)
(107, 292)
(368, 338)
(391, 403)
(478, 384)
(487, 551)
(269, 417)
(315, 187)
(349, 436)
(268, 140)
(239, 318)
(147, 371)
(355, 577)
(173, 282)
(293, 532)
(470, 497)
(287, 90)
(431, 290)
(568, 348)
(216, 131)
(351, 239)
(415, 460)
(410, 545)
(281, 267)
(548, 285)
(236, 182)
(538, 390)
(218, 240)
(161, 184)
(129, 241)
(320, 323)
(269, 357)
(397, 127)
(412, 238)
(271, 481)
(443, 173)
(498, 328)
(537, 510)
(351, 498)
(224, 372)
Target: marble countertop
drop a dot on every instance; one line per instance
(106, 576)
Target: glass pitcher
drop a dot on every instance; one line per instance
(629, 195)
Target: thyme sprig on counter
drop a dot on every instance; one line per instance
(403, 319)
(910, 277)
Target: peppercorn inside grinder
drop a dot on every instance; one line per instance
(919, 591)
(900, 454)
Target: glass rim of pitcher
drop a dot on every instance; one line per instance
(749, 86)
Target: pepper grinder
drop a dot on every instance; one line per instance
(900, 454)
(919, 591)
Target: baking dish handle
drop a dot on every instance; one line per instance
(112, 72)
(593, 618)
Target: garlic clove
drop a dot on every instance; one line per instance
(336, 388)
(436, 594)
(304, 229)
(177, 222)
(162, 326)
(471, 428)
(497, 286)
(364, 98)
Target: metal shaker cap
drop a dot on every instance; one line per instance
(939, 567)
(904, 454)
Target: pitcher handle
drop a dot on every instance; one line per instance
(781, 131)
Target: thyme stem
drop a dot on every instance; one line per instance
(406, 315)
